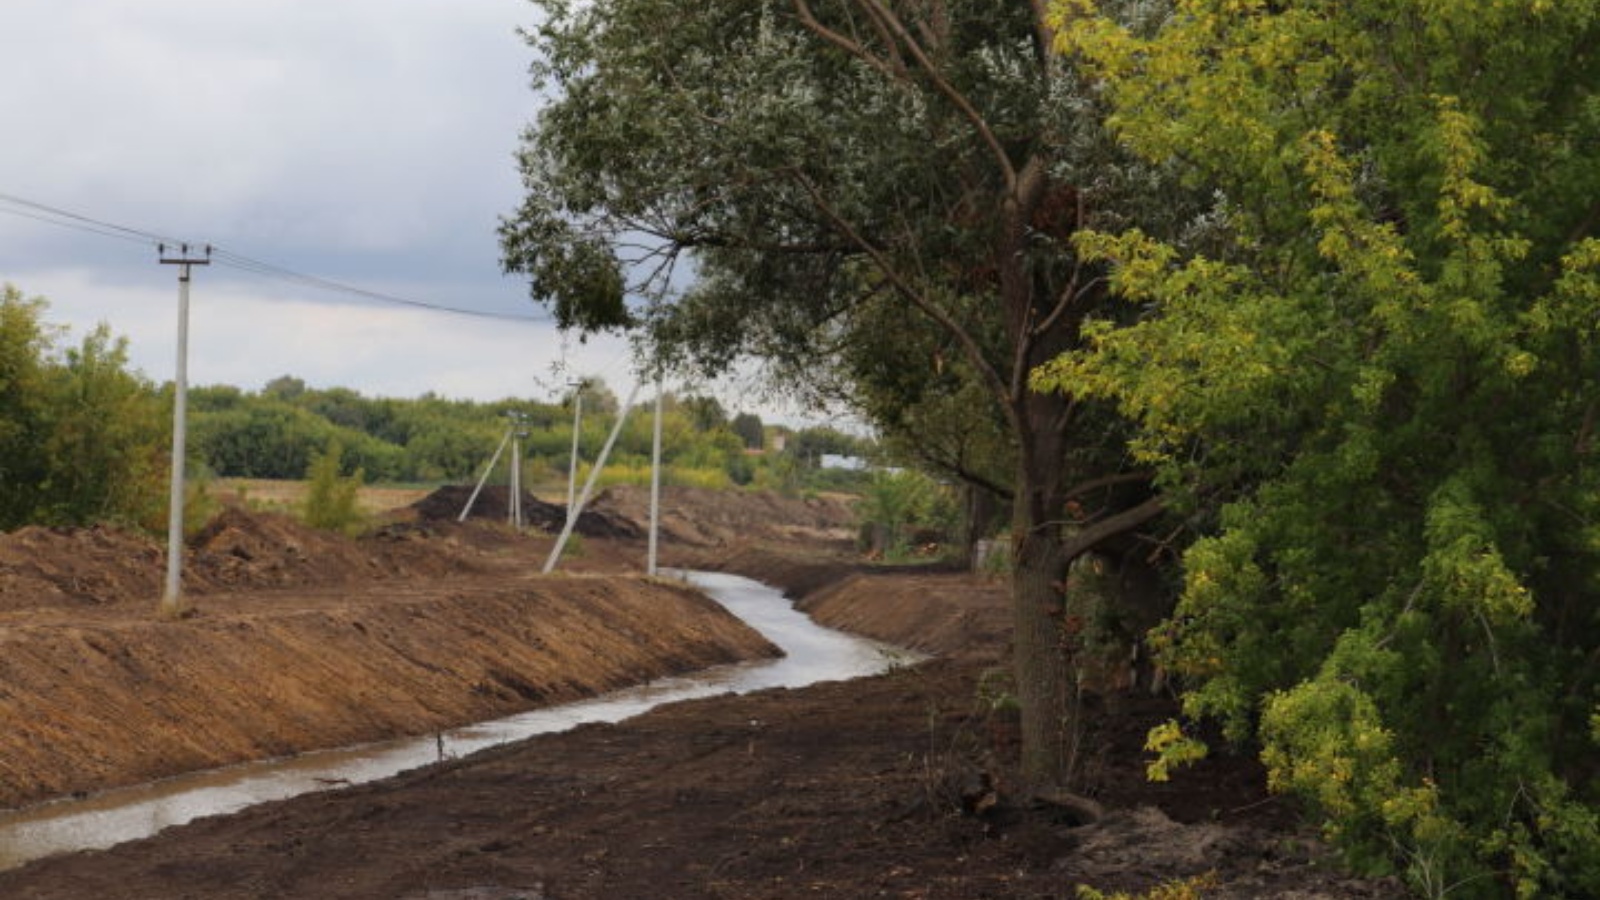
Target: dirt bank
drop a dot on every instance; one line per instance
(702, 517)
(307, 639)
(896, 786)
(893, 786)
(98, 702)
(946, 614)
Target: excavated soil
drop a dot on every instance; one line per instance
(896, 786)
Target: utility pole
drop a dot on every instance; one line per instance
(486, 470)
(172, 605)
(655, 482)
(577, 425)
(588, 484)
(518, 431)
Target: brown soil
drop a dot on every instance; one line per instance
(896, 786)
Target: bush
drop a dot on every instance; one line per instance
(330, 502)
(897, 506)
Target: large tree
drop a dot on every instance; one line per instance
(1385, 384)
(816, 159)
(82, 438)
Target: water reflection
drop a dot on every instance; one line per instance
(812, 654)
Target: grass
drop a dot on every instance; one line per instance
(288, 496)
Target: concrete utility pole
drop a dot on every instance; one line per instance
(655, 483)
(577, 425)
(518, 431)
(588, 485)
(486, 470)
(172, 604)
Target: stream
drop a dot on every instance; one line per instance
(812, 654)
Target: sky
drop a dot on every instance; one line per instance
(369, 142)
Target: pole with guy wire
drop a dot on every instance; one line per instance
(465, 510)
(588, 485)
(172, 605)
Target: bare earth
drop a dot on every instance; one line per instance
(895, 786)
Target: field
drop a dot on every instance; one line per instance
(288, 495)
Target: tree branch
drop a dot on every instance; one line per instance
(970, 477)
(1112, 526)
(849, 45)
(943, 86)
(1107, 481)
(932, 310)
(1044, 37)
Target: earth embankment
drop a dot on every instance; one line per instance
(93, 704)
(901, 785)
(304, 640)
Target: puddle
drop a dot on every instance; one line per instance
(813, 654)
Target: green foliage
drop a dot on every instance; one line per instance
(847, 177)
(1369, 377)
(82, 439)
(1173, 750)
(896, 505)
(749, 429)
(705, 413)
(1184, 889)
(24, 405)
(276, 432)
(330, 502)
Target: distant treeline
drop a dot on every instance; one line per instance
(86, 439)
(274, 433)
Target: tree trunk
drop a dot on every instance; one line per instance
(977, 519)
(1044, 685)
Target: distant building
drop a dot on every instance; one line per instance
(847, 463)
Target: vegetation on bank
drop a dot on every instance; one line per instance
(1374, 402)
(275, 432)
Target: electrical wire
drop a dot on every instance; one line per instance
(68, 219)
(52, 215)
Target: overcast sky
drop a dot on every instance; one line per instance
(366, 141)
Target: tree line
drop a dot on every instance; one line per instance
(277, 431)
(84, 439)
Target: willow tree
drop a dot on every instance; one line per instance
(1386, 381)
(793, 163)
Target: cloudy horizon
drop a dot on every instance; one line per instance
(370, 142)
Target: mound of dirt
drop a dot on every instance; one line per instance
(947, 614)
(107, 702)
(494, 503)
(69, 568)
(702, 517)
(73, 567)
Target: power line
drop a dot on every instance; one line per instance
(76, 226)
(82, 222)
(52, 215)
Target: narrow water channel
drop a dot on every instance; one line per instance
(812, 654)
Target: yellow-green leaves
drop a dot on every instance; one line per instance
(1464, 567)
(1379, 391)
(1173, 750)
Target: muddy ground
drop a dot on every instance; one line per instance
(895, 786)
